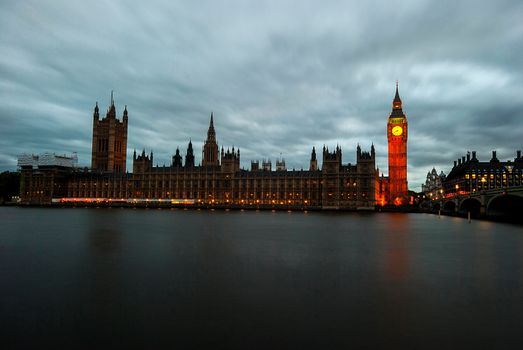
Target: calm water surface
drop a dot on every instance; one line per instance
(149, 278)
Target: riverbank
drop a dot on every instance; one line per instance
(467, 216)
(201, 206)
(415, 210)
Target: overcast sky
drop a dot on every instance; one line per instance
(280, 77)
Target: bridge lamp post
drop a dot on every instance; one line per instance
(457, 188)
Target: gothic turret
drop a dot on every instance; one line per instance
(211, 133)
(494, 159)
(96, 113)
(210, 148)
(177, 159)
(142, 163)
(314, 162)
(364, 155)
(280, 164)
(189, 156)
(365, 164)
(331, 161)
(111, 111)
(230, 161)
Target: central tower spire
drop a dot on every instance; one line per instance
(111, 112)
(210, 148)
(211, 134)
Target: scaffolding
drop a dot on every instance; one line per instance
(47, 159)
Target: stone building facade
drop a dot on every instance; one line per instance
(470, 175)
(218, 181)
(433, 186)
(109, 147)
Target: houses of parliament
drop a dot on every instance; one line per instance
(218, 181)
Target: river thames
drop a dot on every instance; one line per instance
(87, 278)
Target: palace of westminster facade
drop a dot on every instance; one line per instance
(218, 180)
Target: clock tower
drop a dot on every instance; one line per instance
(397, 132)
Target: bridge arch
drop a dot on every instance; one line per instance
(506, 206)
(436, 206)
(472, 205)
(449, 207)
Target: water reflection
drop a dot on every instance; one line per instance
(136, 277)
(104, 277)
(397, 245)
(104, 230)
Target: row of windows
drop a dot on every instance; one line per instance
(217, 195)
(482, 184)
(492, 176)
(202, 183)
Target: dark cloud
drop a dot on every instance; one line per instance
(280, 77)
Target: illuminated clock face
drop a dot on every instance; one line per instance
(397, 131)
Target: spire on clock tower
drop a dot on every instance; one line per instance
(397, 111)
(397, 100)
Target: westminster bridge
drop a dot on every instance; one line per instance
(493, 203)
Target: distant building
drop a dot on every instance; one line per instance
(434, 180)
(433, 186)
(45, 176)
(469, 175)
(47, 160)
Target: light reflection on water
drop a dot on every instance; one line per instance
(144, 276)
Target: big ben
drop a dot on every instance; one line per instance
(397, 133)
